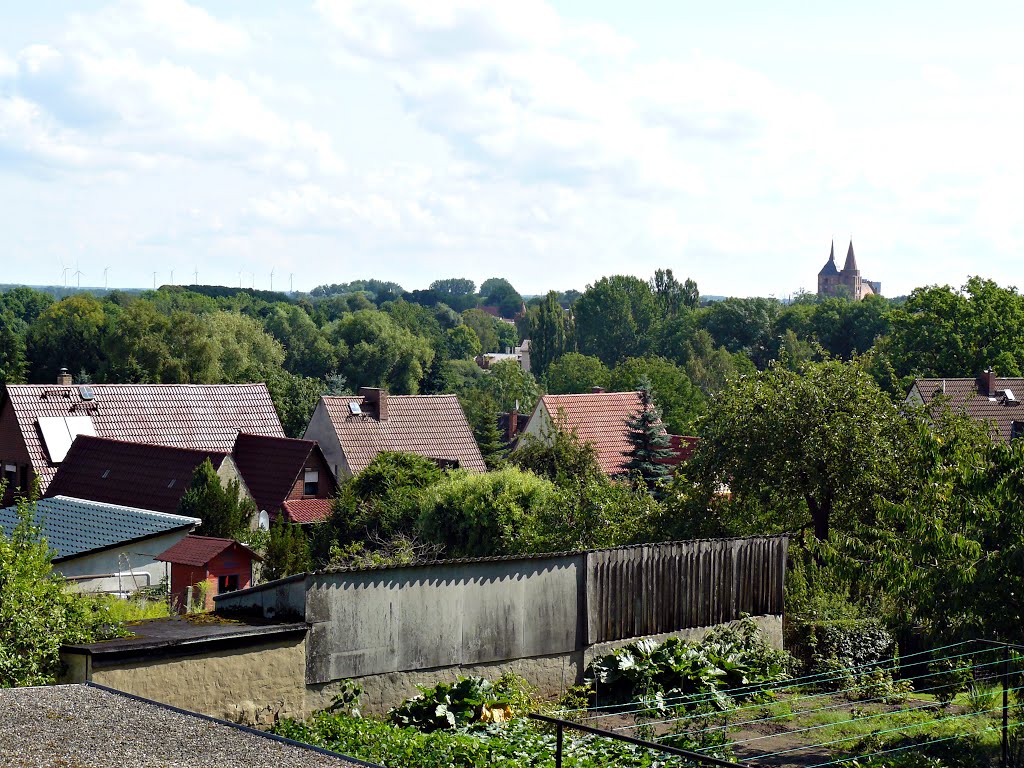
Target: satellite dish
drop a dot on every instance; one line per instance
(264, 522)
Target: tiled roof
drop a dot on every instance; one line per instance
(598, 418)
(271, 465)
(76, 526)
(198, 416)
(153, 477)
(430, 425)
(307, 510)
(964, 395)
(199, 550)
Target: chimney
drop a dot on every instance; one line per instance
(64, 378)
(987, 383)
(378, 398)
(596, 390)
(513, 424)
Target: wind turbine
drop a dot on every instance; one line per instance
(78, 274)
(105, 270)
(239, 278)
(64, 272)
(196, 275)
(154, 281)
(291, 282)
(252, 275)
(272, 277)
(172, 277)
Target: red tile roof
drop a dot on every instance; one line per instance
(964, 395)
(152, 477)
(270, 466)
(429, 425)
(307, 510)
(199, 550)
(598, 418)
(198, 416)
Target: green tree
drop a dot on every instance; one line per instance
(457, 292)
(13, 366)
(136, 345)
(712, 368)
(222, 508)
(614, 318)
(295, 398)
(245, 352)
(287, 551)
(462, 343)
(69, 335)
(508, 384)
(193, 354)
(745, 325)
(485, 328)
(498, 292)
(550, 333)
(478, 515)
(307, 351)
(575, 373)
(37, 612)
(377, 352)
(482, 414)
(823, 441)
(681, 403)
(649, 443)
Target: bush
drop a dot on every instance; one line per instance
(469, 701)
(37, 613)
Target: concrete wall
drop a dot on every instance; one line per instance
(255, 685)
(136, 556)
(374, 622)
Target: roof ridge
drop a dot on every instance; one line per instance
(161, 446)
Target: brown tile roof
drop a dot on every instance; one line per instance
(152, 477)
(964, 395)
(199, 550)
(430, 425)
(307, 510)
(198, 416)
(271, 465)
(598, 418)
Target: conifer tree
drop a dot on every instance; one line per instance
(482, 413)
(224, 512)
(287, 551)
(649, 442)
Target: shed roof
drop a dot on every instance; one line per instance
(965, 395)
(199, 550)
(271, 465)
(137, 474)
(429, 425)
(307, 510)
(598, 418)
(75, 527)
(198, 416)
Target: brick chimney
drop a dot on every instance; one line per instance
(513, 424)
(596, 390)
(987, 383)
(64, 378)
(378, 398)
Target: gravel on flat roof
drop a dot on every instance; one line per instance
(78, 726)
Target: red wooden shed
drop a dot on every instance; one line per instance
(225, 563)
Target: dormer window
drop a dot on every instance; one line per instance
(311, 483)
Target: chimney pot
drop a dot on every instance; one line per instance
(378, 398)
(597, 390)
(987, 383)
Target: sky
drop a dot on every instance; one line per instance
(550, 143)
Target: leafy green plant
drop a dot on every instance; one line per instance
(734, 660)
(348, 700)
(950, 677)
(467, 702)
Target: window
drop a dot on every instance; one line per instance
(1016, 429)
(311, 483)
(10, 474)
(227, 583)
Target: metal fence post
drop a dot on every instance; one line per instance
(558, 746)
(1006, 706)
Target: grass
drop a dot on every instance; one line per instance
(127, 611)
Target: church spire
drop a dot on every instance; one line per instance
(851, 260)
(830, 265)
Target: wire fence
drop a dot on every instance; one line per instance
(969, 691)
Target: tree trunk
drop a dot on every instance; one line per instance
(820, 514)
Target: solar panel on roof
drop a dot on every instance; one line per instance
(354, 408)
(85, 393)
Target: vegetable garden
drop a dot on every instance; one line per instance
(731, 698)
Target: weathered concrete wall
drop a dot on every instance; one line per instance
(375, 622)
(137, 556)
(255, 685)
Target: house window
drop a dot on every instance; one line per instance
(1016, 429)
(227, 583)
(11, 474)
(311, 483)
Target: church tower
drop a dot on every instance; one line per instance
(850, 276)
(828, 278)
(848, 282)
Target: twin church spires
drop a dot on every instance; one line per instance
(848, 282)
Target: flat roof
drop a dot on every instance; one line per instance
(98, 727)
(176, 634)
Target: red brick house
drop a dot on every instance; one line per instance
(286, 476)
(39, 422)
(224, 563)
(352, 430)
(598, 418)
